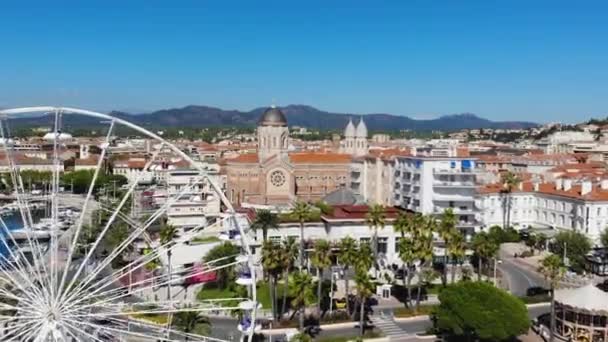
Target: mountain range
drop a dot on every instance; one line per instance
(297, 115)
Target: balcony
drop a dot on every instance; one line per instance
(452, 198)
(456, 210)
(455, 171)
(455, 184)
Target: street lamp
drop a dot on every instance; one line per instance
(331, 291)
(496, 261)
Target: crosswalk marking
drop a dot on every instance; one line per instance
(389, 328)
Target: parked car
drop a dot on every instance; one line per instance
(536, 291)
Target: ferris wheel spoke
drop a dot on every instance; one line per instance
(80, 221)
(26, 217)
(53, 246)
(148, 287)
(115, 331)
(17, 262)
(74, 326)
(98, 292)
(133, 235)
(90, 292)
(35, 292)
(109, 223)
(23, 331)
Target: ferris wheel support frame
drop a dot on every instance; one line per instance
(58, 111)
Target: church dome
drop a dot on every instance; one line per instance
(349, 131)
(361, 129)
(273, 117)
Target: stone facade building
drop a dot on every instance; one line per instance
(274, 176)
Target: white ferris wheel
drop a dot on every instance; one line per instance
(54, 290)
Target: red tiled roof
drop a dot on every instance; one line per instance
(250, 158)
(596, 193)
(357, 212)
(321, 158)
(88, 161)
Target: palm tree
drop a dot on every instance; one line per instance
(289, 253)
(301, 213)
(321, 259)
(408, 256)
(347, 255)
(365, 258)
(264, 221)
(168, 234)
(423, 246)
(509, 181)
(485, 248)
(456, 250)
(271, 262)
(301, 286)
(403, 225)
(364, 291)
(375, 219)
(553, 269)
(191, 322)
(446, 230)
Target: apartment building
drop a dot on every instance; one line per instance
(429, 185)
(580, 205)
(196, 202)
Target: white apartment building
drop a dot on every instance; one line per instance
(565, 141)
(372, 178)
(562, 204)
(196, 203)
(429, 185)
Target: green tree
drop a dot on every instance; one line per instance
(541, 241)
(531, 242)
(223, 255)
(485, 248)
(456, 248)
(408, 257)
(168, 234)
(321, 260)
(301, 287)
(272, 263)
(264, 221)
(423, 246)
(574, 245)
(301, 337)
(500, 235)
(509, 182)
(375, 219)
(365, 258)
(552, 268)
(301, 213)
(365, 289)
(289, 253)
(604, 238)
(447, 231)
(477, 310)
(191, 322)
(348, 253)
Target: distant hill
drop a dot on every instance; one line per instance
(297, 115)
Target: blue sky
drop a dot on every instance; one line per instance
(504, 60)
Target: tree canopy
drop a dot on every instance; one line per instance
(480, 310)
(575, 244)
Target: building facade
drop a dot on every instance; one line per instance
(276, 176)
(563, 204)
(430, 185)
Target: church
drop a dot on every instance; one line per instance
(276, 176)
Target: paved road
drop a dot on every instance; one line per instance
(518, 278)
(410, 327)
